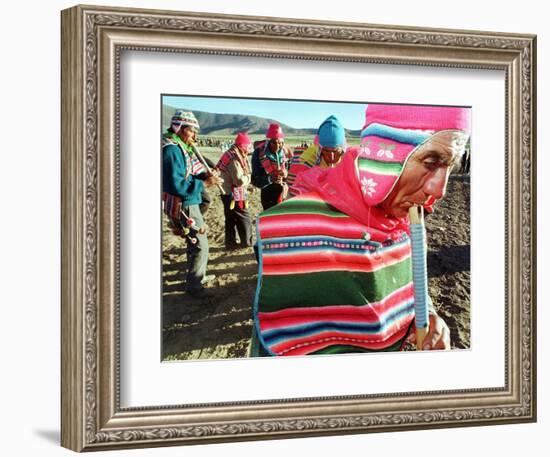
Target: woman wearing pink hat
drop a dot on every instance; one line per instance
(270, 164)
(235, 171)
(335, 261)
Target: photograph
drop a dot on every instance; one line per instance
(300, 227)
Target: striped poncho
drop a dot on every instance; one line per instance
(330, 284)
(335, 266)
(193, 165)
(296, 165)
(238, 193)
(274, 162)
(181, 184)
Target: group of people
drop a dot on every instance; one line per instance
(187, 175)
(333, 241)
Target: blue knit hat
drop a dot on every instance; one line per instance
(331, 133)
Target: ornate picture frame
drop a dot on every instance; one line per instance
(93, 39)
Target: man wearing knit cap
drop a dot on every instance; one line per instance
(270, 163)
(235, 171)
(336, 260)
(184, 177)
(326, 152)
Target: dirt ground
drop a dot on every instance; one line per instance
(221, 327)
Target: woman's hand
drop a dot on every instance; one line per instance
(438, 337)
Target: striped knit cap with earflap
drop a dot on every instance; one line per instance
(183, 118)
(392, 133)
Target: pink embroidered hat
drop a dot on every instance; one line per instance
(274, 131)
(242, 140)
(392, 133)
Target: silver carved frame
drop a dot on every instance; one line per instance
(93, 39)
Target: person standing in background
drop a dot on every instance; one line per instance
(270, 163)
(184, 178)
(236, 173)
(326, 152)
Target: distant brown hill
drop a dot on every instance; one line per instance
(229, 124)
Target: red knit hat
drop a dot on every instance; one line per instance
(242, 140)
(274, 131)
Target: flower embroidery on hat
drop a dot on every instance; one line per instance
(368, 186)
(385, 150)
(364, 148)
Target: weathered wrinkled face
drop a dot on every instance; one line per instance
(426, 173)
(195, 135)
(275, 144)
(331, 156)
(188, 134)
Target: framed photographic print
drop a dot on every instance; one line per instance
(236, 190)
(251, 278)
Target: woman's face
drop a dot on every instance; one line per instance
(426, 173)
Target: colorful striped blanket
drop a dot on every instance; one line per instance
(329, 284)
(296, 165)
(171, 205)
(274, 163)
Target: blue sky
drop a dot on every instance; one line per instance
(297, 114)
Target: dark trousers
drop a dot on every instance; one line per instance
(206, 201)
(271, 195)
(236, 220)
(197, 253)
